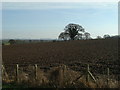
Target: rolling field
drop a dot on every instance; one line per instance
(100, 54)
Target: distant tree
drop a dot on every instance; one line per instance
(71, 31)
(87, 35)
(106, 36)
(54, 40)
(3, 44)
(99, 37)
(30, 41)
(12, 41)
(41, 40)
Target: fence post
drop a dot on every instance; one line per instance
(88, 69)
(2, 70)
(108, 73)
(17, 73)
(92, 76)
(4, 73)
(36, 71)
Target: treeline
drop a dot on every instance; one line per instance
(20, 41)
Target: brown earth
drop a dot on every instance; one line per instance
(100, 54)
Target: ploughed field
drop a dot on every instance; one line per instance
(100, 54)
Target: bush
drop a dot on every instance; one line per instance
(12, 41)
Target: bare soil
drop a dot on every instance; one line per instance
(100, 54)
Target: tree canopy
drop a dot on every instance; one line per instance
(106, 36)
(12, 41)
(73, 32)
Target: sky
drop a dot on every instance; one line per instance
(59, 0)
(46, 20)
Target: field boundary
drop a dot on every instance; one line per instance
(88, 74)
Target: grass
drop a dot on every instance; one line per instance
(13, 86)
(57, 77)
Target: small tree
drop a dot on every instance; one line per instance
(106, 36)
(30, 41)
(87, 35)
(99, 37)
(12, 41)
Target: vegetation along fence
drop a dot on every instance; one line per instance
(13, 73)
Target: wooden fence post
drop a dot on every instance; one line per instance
(2, 70)
(89, 74)
(92, 77)
(4, 73)
(88, 69)
(36, 67)
(108, 73)
(17, 73)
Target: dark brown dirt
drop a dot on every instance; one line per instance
(98, 53)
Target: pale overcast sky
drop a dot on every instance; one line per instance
(47, 20)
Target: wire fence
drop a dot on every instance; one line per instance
(92, 71)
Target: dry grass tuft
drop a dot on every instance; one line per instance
(41, 78)
(63, 77)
